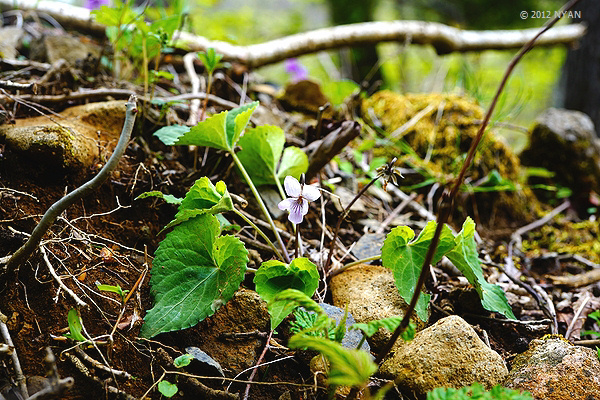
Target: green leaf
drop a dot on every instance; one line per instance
(210, 58)
(299, 299)
(114, 289)
(236, 122)
(261, 151)
(183, 360)
(465, 257)
(203, 198)
(167, 388)
(220, 131)
(294, 162)
(195, 271)
(170, 134)
(75, 327)
(338, 91)
(274, 277)
(169, 198)
(349, 367)
(406, 259)
(391, 323)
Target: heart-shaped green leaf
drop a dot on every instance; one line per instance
(262, 149)
(465, 257)
(274, 277)
(406, 259)
(220, 131)
(195, 271)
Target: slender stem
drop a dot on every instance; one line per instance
(23, 253)
(259, 231)
(447, 200)
(261, 204)
(16, 364)
(208, 88)
(297, 242)
(341, 218)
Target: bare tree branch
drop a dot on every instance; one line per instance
(444, 39)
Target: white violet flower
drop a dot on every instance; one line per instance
(299, 196)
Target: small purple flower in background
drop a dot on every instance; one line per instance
(95, 4)
(297, 71)
(300, 195)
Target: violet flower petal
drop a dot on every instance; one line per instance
(292, 186)
(310, 193)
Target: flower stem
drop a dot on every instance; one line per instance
(297, 241)
(259, 231)
(341, 218)
(261, 204)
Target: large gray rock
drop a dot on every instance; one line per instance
(371, 294)
(555, 369)
(447, 354)
(565, 143)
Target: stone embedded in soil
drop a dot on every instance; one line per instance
(51, 48)
(447, 354)
(72, 142)
(565, 142)
(245, 312)
(352, 337)
(371, 294)
(555, 369)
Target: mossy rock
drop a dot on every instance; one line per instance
(440, 129)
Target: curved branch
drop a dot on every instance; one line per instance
(444, 39)
(23, 253)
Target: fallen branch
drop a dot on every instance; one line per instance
(57, 385)
(23, 253)
(444, 39)
(16, 364)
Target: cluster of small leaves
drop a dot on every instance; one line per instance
(348, 367)
(141, 41)
(406, 256)
(477, 391)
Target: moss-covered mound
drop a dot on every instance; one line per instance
(440, 128)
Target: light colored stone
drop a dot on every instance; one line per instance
(371, 294)
(70, 140)
(447, 354)
(554, 369)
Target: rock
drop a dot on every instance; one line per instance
(353, 337)
(10, 38)
(555, 369)
(565, 142)
(345, 196)
(246, 312)
(72, 142)
(305, 96)
(271, 197)
(52, 48)
(371, 294)
(447, 354)
(368, 245)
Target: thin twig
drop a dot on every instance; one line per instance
(21, 381)
(64, 287)
(584, 302)
(23, 253)
(57, 385)
(262, 355)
